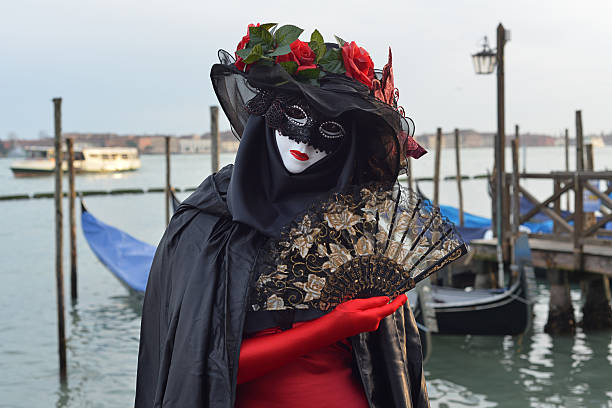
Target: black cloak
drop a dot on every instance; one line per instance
(195, 306)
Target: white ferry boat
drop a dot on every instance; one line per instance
(41, 160)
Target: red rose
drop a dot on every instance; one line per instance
(358, 63)
(301, 54)
(241, 45)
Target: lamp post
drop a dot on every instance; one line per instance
(484, 64)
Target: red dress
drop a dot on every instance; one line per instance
(323, 378)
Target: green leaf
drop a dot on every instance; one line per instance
(318, 48)
(255, 54)
(339, 40)
(243, 53)
(332, 61)
(287, 34)
(317, 45)
(260, 35)
(316, 37)
(268, 26)
(282, 50)
(312, 73)
(290, 66)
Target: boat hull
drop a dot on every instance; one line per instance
(31, 172)
(489, 312)
(507, 315)
(40, 161)
(29, 168)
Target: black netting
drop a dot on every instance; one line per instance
(274, 107)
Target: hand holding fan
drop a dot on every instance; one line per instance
(366, 242)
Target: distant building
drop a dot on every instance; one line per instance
(157, 145)
(467, 138)
(200, 143)
(471, 138)
(194, 145)
(228, 146)
(596, 141)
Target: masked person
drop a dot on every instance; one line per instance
(312, 121)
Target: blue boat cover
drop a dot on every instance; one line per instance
(475, 227)
(128, 258)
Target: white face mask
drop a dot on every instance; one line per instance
(297, 156)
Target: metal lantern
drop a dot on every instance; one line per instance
(485, 60)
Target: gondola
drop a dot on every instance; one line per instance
(505, 311)
(128, 258)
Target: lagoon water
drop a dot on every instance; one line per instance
(531, 370)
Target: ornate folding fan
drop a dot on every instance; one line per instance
(370, 241)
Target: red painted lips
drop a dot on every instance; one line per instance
(299, 155)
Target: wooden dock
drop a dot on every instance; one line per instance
(554, 254)
(579, 244)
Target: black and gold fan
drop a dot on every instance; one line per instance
(370, 241)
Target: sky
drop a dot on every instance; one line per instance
(136, 66)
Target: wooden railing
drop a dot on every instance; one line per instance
(585, 230)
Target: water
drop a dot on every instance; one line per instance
(532, 370)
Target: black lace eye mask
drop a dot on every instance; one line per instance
(293, 117)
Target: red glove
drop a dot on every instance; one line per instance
(260, 355)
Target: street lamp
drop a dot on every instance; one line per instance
(484, 63)
(485, 60)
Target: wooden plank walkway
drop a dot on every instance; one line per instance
(550, 254)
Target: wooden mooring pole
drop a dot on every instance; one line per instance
(516, 201)
(567, 165)
(579, 142)
(578, 196)
(167, 186)
(589, 156)
(214, 138)
(409, 179)
(501, 191)
(561, 318)
(72, 213)
(436, 181)
(436, 177)
(515, 204)
(517, 136)
(596, 311)
(458, 162)
(560, 308)
(59, 245)
(589, 217)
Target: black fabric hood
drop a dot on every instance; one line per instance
(265, 196)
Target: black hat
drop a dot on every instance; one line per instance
(333, 80)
